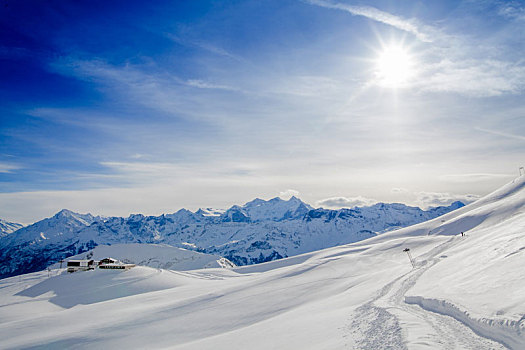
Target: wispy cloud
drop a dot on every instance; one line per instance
(450, 62)
(500, 133)
(513, 10)
(8, 167)
(203, 46)
(375, 14)
(288, 194)
(476, 177)
(201, 84)
(475, 76)
(346, 202)
(145, 86)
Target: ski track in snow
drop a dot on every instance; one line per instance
(376, 324)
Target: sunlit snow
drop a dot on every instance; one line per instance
(466, 292)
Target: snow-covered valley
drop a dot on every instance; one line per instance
(465, 292)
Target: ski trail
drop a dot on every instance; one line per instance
(377, 324)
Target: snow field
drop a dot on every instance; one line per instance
(358, 296)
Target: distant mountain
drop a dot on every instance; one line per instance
(8, 227)
(256, 232)
(34, 247)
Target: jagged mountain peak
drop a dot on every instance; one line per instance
(255, 202)
(235, 214)
(209, 212)
(66, 214)
(276, 209)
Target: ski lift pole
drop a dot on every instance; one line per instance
(406, 250)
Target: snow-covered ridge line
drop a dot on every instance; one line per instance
(507, 332)
(256, 232)
(7, 227)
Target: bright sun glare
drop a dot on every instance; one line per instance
(394, 67)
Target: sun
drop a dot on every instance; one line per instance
(394, 67)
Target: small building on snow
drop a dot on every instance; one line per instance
(104, 264)
(113, 264)
(80, 265)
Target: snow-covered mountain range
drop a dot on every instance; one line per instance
(461, 292)
(8, 227)
(256, 232)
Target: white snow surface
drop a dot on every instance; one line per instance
(7, 227)
(161, 256)
(463, 293)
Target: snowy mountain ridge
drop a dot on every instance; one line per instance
(8, 227)
(257, 232)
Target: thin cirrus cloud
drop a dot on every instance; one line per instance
(205, 46)
(500, 133)
(8, 168)
(457, 64)
(143, 85)
(201, 84)
(466, 178)
(377, 15)
(513, 10)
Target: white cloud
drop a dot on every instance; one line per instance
(475, 76)
(345, 202)
(8, 168)
(451, 62)
(138, 85)
(432, 199)
(201, 84)
(137, 156)
(399, 190)
(513, 10)
(288, 194)
(377, 15)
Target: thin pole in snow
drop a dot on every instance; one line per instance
(406, 250)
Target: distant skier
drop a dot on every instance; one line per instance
(462, 234)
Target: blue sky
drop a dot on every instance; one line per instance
(115, 107)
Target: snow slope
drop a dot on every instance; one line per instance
(160, 256)
(464, 293)
(257, 232)
(8, 227)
